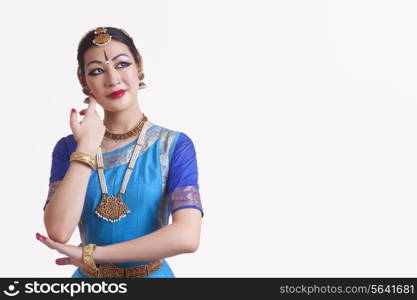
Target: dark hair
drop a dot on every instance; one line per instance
(116, 34)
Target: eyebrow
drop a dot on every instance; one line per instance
(99, 62)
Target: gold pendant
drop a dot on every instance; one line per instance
(112, 208)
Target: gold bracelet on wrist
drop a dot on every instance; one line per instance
(89, 163)
(89, 266)
(84, 158)
(82, 155)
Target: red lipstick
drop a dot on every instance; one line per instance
(117, 94)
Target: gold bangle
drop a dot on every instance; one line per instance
(88, 163)
(88, 260)
(84, 158)
(78, 154)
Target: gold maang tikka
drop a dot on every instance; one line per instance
(101, 37)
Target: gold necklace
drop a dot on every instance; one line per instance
(113, 208)
(132, 132)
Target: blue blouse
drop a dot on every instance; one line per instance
(163, 180)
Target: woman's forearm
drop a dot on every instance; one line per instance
(168, 241)
(63, 212)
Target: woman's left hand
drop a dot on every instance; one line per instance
(73, 253)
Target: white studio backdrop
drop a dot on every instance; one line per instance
(302, 114)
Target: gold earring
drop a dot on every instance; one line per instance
(86, 90)
(142, 85)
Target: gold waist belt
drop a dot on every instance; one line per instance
(113, 271)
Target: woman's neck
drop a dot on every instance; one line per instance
(122, 121)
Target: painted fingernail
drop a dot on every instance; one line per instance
(73, 110)
(38, 236)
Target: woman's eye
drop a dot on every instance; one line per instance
(124, 65)
(93, 72)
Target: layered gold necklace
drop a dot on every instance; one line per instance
(113, 208)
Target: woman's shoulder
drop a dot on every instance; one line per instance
(169, 138)
(66, 144)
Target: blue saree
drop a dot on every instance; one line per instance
(164, 180)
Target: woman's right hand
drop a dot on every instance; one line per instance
(90, 131)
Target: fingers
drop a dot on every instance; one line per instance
(75, 125)
(61, 248)
(62, 261)
(51, 243)
(48, 242)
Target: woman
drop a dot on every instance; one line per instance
(120, 179)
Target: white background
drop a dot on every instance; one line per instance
(302, 114)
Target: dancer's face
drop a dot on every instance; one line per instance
(110, 68)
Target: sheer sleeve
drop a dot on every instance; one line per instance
(183, 188)
(60, 164)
